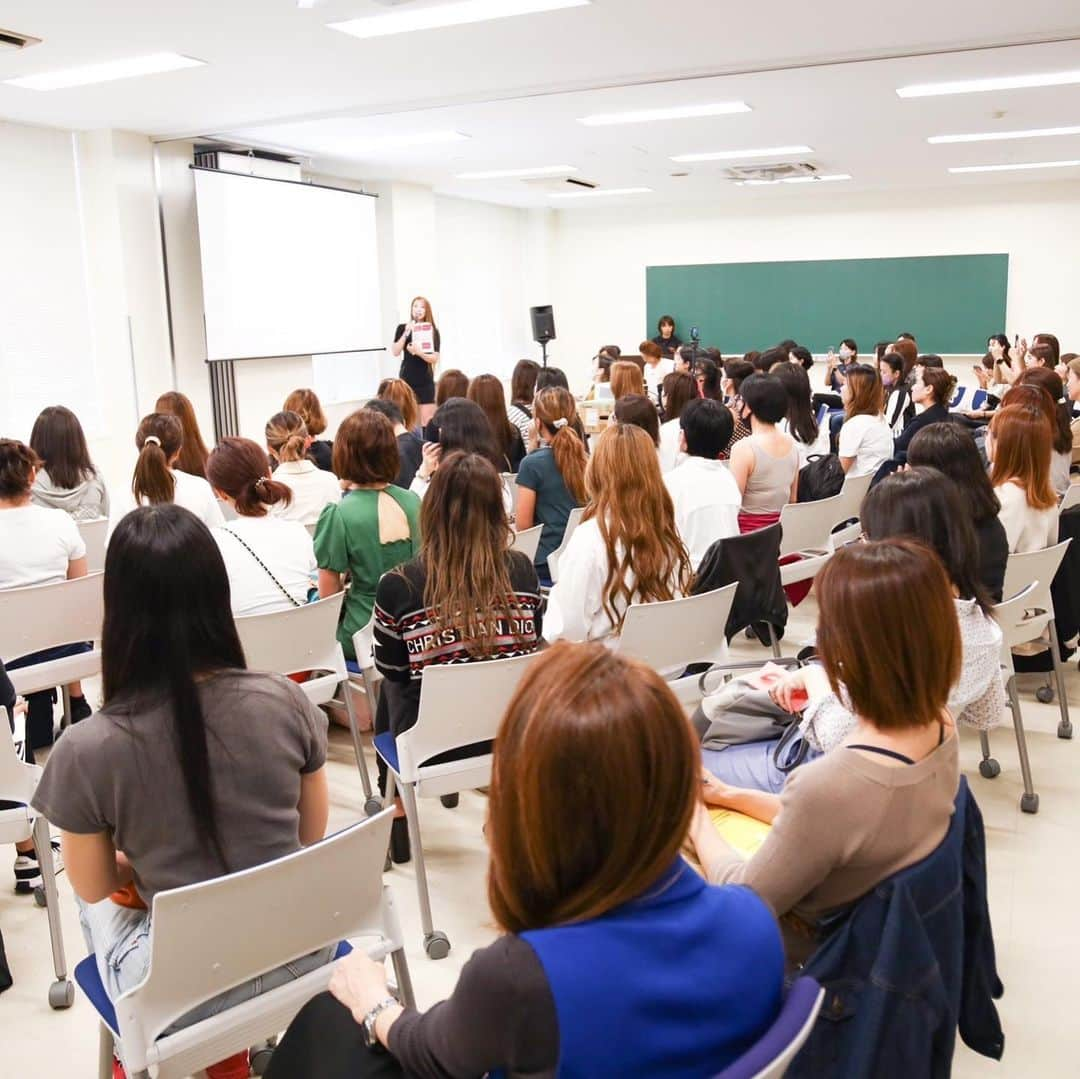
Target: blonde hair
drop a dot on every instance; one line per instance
(551, 406)
(636, 518)
(626, 378)
(398, 392)
(306, 405)
(286, 434)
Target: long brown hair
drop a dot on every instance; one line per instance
(306, 404)
(636, 518)
(556, 413)
(193, 451)
(239, 469)
(626, 377)
(159, 438)
(452, 383)
(429, 315)
(58, 439)
(1045, 378)
(465, 552)
(1023, 443)
(564, 850)
(286, 436)
(487, 392)
(679, 389)
(867, 394)
(917, 646)
(398, 392)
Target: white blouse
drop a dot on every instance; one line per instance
(1026, 529)
(313, 489)
(282, 549)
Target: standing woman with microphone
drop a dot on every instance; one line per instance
(420, 356)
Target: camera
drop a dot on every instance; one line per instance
(695, 334)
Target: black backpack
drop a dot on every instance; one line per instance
(821, 477)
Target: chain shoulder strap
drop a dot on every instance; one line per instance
(266, 569)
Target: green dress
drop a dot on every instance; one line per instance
(347, 540)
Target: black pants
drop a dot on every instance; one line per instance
(324, 1042)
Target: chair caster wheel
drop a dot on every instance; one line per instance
(450, 801)
(260, 1059)
(1029, 803)
(437, 945)
(1044, 694)
(989, 768)
(372, 806)
(61, 994)
(1065, 730)
(39, 895)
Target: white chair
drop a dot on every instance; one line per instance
(95, 534)
(460, 705)
(962, 399)
(509, 482)
(311, 528)
(670, 635)
(853, 492)
(1070, 498)
(202, 944)
(18, 781)
(48, 616)
(571, 524)
(528, 541)
(806, 530)
(305, 639)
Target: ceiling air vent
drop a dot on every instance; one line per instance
(559, 183)
(9, 39)
(769, 174)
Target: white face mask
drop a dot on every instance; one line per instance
(845, 353)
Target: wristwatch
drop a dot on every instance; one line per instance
(368, 1026)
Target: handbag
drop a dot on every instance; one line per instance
(284, 591)
(739, 713)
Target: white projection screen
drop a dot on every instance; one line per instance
(289, 269)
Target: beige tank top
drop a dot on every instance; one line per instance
(768, 490)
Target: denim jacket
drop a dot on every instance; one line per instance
(907, 965)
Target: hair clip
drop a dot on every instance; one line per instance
(152, 440)
(560, 423)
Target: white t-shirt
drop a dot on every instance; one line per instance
(707, 501)
(313, 489)
(1026, 529)
(36, 545)
(670, 454)
(284, 547)
(655, 375)
(819, 447)
(191, 492)
(867, 439)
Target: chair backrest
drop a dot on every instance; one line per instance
(298, 639)
(806, 526)
(1022, 569)
(961, 399)
(49, 615)
(678, 631)
(1016, 628)
(18, 780)
(528, 541)
(460, 705)
(1070, 498)
(202, 943)
(853, 492)
(770, 1056)
(311, 528)
(571, 524)
(94, 534)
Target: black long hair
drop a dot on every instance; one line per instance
(167, 620)
(924, 504)
(802, 423)
(951, 449)
(460, 424)
(58, 439)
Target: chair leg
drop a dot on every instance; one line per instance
(105, 1052)
(43, 846)
(988, 767)
(65, 696)
(1029, 801)
(436, 944)
(371, 803)
(1065, 723)
(773, 641)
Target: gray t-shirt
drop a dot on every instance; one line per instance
(119, 772)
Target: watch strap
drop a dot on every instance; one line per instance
(372, 1018)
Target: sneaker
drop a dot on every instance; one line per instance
(28, 870)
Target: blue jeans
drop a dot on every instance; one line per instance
(750, 765)
(120, 941)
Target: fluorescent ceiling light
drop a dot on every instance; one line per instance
(680, 112)
(981, 86)
(825, 178)
(509, 174)
(455, 14)
(995, 136)
(154, 64)
(735, 155)
(599, 191)
(1011, 168)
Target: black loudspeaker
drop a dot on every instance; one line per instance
(543, 324)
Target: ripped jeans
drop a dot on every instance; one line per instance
(120, 940)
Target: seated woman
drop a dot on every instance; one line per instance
(765, 466)
(931, 391)
(677, 391)
(307, 406)
(459, 424)
(466, 596)
(638, 410)
(487, 392)
(270, 561)
(1019, 443)
(375, 526)
(1058, 410)
(626, 378)
(173, 743)
(882, 800)
(587, 887)
(899, 409)
(865, 441)
(734, 374)
(193, 451)
(951, 449)
(522, 391)
(67, 479)
(157, 478)
(800, 422)
(627, 548)
(452, 383)
(288, 440)
(920, 504)
(551, 480)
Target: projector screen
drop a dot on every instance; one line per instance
(289, 269)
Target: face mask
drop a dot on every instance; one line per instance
(887, 378)
(845, 353)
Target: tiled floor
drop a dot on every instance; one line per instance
(1034, 879)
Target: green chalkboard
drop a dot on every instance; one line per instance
(951, 303)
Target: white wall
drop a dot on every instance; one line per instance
(601, 254)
